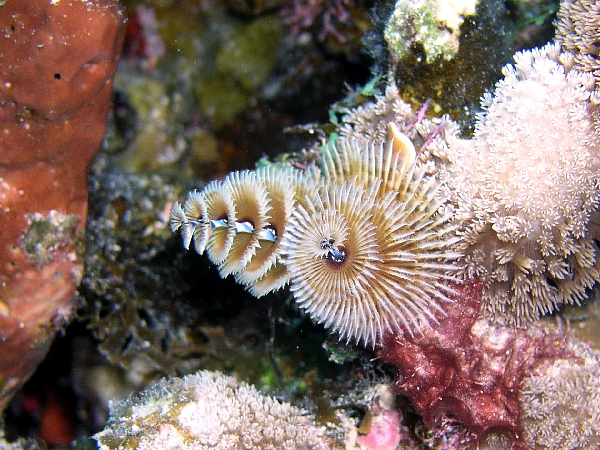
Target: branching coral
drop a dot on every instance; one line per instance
(207, 411)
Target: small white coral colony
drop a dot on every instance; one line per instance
(207, 410)
(364, 241)
(527, 190)
(561, 402)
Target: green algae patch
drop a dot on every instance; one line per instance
(249, 54)
(221, 98)
(243, 61)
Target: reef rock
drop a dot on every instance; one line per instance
(57, 61)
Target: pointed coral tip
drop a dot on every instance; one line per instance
(401, 144)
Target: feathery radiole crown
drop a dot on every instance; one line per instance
(365, 242)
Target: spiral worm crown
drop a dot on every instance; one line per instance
(365, 242)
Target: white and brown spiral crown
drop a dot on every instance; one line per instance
(239, 223)
(365, 242)
(370, 252)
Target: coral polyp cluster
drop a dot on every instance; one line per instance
(207, 410)
(527, 190)
(364, 240)
(524, 188)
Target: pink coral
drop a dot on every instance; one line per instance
(384, 433)
(468, 369)
(302, 14)
(381, 428)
